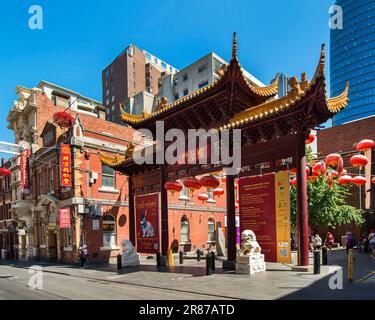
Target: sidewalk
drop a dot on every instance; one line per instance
(277, 283)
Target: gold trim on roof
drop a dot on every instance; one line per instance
(267, 91)
(338, 103)
(110, 160)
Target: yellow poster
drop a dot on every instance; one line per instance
(282, 201)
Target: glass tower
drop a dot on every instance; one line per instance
(353, 59)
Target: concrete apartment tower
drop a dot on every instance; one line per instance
(132, 72)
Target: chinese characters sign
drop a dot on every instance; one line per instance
(25, 171)
(147, 220)
(265, 209)
(64, 218)
(65, 161)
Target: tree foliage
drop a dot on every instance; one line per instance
(327, 206)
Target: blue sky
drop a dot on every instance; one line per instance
(80, 38)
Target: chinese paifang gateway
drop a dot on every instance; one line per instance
(272, 129)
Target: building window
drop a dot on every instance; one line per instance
(156, 60)
(148, 56)
(185, 77)
(176, 96)
(60, 100)
(83, 238)
(185, 230)
(202, 67)
(203, 84)
(109, 231)
(211, 229)
(68, 238)
(186, 92)
(108, 177)
(163, 65)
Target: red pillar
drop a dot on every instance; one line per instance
(302, 214)
(131, 212)
(164, 213)
(231, 223)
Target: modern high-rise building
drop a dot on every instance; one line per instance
(283, 85)
(132, 72)
(176, 85)
(352, 58)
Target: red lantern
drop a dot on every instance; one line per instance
(330, 180)
(310, 139)
(293, 182)
(320, 168)
(373, 180)
(237, 206)
(210, 182)
(224, 179)
(365, 144)
(358, 160)
(340, 166)
(63, 119)
(334, 173)
(192, 184)
(4, 172)
(203, 197)
(173, 186)
(332, 159)
(345, 179)
(218, 192)
(359, 180)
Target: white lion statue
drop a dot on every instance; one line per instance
(249, 244)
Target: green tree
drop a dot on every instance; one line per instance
(326, 206)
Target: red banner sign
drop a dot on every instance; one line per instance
(66, 162)
(147, 220)
(64, 218)
(25, 171)
(258, 211)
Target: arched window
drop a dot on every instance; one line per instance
(211, 229)
(185, 230)
(109, 231)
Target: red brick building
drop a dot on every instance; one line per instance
(8, 236)
(342, 139)
(98, 197)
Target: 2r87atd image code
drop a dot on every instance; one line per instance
(207, 309)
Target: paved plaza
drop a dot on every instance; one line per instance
(188, 282)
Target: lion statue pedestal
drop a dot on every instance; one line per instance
(129, 257)
(250, 260)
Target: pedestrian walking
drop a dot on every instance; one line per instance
(329, 241)
(371, 239)
(83, 256)
(317, 242)
(350, 242)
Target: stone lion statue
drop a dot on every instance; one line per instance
(249, 244)
(129, 256)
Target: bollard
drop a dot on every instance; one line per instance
(170, 258)
(350, 266)
(181, 257)
(324, 256)
(119, 265)
(208, 264)
(213, 260)
(198, 255)
(316, 262)
(158, 260)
